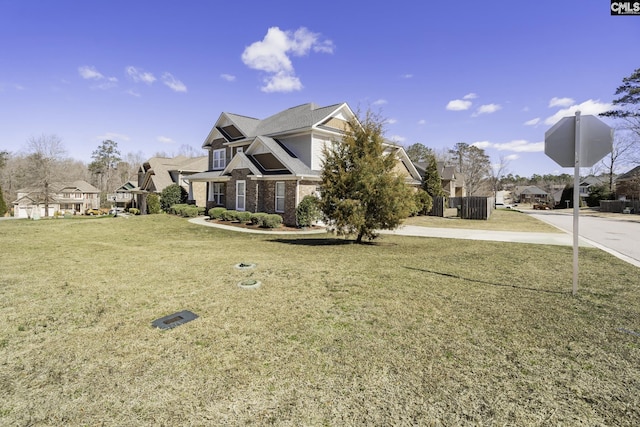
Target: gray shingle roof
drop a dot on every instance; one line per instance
(295, 165)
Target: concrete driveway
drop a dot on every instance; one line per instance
(618, 234)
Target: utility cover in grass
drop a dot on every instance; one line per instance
(175, 319)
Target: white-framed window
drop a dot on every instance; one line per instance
(219, 161)
(216, 192)
(241, 187)
(280, 196)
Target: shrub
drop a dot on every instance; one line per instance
(134, 211)
(173, 194)
(271, 221)
(256, 218)
(229, 215)
(307, 211)
(190, 212)
(423, 203)
(201, 210)
(153, 204)
(243, 216)
(177, 208)
(216, 213)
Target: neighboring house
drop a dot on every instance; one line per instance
(158, 173)
(452, 181)
(75, 197)
(628, 185)
(123, 196)
(587, 183)
(269, 165)
(531, 194)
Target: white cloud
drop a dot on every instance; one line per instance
(407, 76)
(397, 139)
(138, 75)
(272, 55)
(164, 140)
(588, 107)
(228, 77)
(133, 93)
(532, 122)
(458, 105)
(422, 121)
(482, 144)
(512, 157)
(173, 84)
(487, 109)
(379, 102)
(90, 73)
(113, 136)
(560, 102)
(518, 146)
(281, 82)
(391, 121)
(470, 96)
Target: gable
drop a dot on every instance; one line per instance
(269, 162)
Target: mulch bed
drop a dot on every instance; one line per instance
(249, 226)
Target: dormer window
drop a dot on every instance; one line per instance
(219, 159)
(231, 132)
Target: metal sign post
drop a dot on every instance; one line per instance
(576, 203)
(577, 141)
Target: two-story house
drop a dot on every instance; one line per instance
(269, 165)
(157, 173)
(75, 197)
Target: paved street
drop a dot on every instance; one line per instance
(619, 235)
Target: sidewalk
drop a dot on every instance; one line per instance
(561, 239)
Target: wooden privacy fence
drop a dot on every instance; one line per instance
(438, 207)
(476, 207)
(468, 207)
(454, 202)
(619, 206)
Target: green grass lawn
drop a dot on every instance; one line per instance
(405, 331)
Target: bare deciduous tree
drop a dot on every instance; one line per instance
(45, 155)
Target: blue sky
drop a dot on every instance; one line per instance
(155, 75)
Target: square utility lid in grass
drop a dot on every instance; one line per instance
(173, 320)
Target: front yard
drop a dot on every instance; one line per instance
(405, 331)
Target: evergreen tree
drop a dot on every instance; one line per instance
(105, 161)
(418, 152)
(3, 205)
(361, 193)
(627, 105)
(432, 182)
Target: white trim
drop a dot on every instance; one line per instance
(244, 195)
(222, 159)
(282, 198)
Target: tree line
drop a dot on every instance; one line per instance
(44, 161)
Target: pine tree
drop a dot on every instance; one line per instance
(3, 205)
(432, 182)
(361, 193)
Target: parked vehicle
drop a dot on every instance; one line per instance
(92, 212)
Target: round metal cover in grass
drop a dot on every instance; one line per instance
(245, 266)
(249, 284)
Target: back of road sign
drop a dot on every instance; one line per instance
(596, 139)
